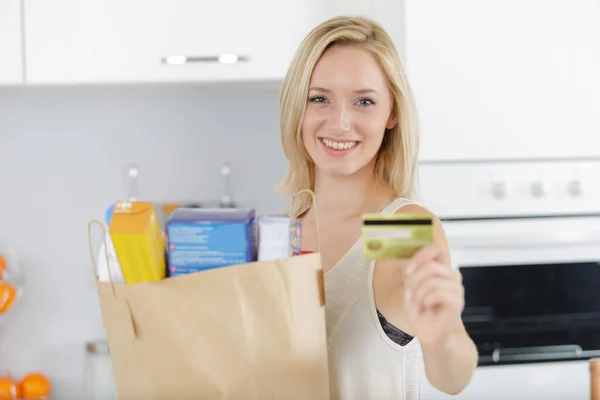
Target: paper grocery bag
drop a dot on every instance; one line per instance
(251, 331)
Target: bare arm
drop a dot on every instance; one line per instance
(433, 299)
(450, 366)
(450, 363)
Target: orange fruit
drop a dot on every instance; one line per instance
(2, 266)
(8, 293)
(35, 386)
(9, 388)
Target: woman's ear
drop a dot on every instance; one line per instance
(392, 121)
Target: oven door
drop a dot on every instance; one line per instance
(532, 303)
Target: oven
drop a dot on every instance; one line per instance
(526, 237)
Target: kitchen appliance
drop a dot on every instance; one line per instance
(526, 237)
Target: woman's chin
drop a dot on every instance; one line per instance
(337, 170)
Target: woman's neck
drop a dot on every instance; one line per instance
(347, 197)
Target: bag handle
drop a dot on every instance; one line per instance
(314, 204)
(116, 313)
(96, 222)
(320, 272)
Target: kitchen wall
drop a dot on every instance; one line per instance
(63, 157)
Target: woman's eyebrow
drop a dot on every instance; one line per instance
(358, 91)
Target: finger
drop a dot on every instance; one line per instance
(424, 254)
(425, 272)
(434, 285)
(432, 268)
(442, 298)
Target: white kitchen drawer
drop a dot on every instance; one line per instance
(11, 66)
(104, 41)
(549, 381)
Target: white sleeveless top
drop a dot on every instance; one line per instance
(364, 363)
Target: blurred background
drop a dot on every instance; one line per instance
(177, 101)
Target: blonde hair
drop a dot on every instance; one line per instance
(396, 163)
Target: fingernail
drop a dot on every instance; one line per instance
(410, 268)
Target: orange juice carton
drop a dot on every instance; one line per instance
(203, 238)
(138, 242)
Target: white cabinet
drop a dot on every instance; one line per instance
(113, 41)
(388, 13)
(11, 66)
(500, 79)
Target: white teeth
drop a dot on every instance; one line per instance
(338, 145)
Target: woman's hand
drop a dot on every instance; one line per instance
(434, 297)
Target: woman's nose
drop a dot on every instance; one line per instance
(341, 119)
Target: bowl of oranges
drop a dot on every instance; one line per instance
(33, 386)
(11, 282)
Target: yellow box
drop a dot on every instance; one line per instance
(395, 236)
(138, 242)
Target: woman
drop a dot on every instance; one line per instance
(349, 131)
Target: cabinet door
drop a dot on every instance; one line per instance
(500, 79)
(388, 13)
(73, 41)
(11, 66)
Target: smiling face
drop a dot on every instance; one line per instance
(348, 110)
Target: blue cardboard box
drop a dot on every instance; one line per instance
(200, 239)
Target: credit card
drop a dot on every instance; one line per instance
(395, 236)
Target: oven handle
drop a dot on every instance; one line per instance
(537, 353)
(516, 241)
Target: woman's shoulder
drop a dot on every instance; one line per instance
(411, 207)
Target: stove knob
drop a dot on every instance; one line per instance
(537, 189)
(574, 188)
(499, 190)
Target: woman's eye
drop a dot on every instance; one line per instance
(365, 102)
(318, 99)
